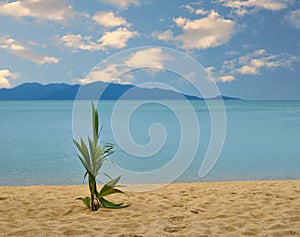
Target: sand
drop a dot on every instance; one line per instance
(265, 208)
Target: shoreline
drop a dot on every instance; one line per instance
(236, 208)
(158, 183)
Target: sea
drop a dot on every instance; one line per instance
(257, 140)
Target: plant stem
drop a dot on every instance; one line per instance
(93, 208)
(93, 190)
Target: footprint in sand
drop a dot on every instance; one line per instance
(176, 219)
(172, 229)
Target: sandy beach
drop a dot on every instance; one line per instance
(264, 208)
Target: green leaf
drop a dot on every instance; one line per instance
(85, 176)
(109, 192)
(86, 201)
(107, 175)
(100, 131)
(92, 156)
(91, 147)
(109, 185)
(107, 204)
(107, 150)
(85, 152)
(109, 189)
(84, 164)
(95, 121)
(113, 182)
(77, 145)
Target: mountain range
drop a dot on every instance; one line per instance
(109, 91)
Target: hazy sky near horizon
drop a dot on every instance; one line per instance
(250, 47)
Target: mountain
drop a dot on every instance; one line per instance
(109, 91)
(36, 91)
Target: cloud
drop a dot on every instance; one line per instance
(242, 7)
(109, 74)
(122, 4)
(152, 58)
(109, 20)
(5, 75)
(163, 36)
(77, 42)
(226, 78)
(252, 64)
(294, 18)
(192, 10)
(206, 32)
(118, 38)
(23, 51)
(110, 39)
(50, 10)
(217, 76)
(201, 12)
(189, 8)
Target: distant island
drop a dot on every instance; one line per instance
(109, 91)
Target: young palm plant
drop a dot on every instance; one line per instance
(92, 158)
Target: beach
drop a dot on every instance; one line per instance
(256, 208)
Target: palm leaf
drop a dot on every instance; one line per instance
(86, 201)
(107, 204)
(84, 164)
(109, 192)
(85, 152)
(108, 188)
(86, 173)
(113, 182)
(95, 121)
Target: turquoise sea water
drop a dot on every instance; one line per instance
(262, 141)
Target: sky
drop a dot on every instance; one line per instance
(251, 48)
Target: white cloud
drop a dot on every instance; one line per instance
(118, 38)
(206, 32)
(273, 5)
(51, 10)
(192, 10)
(5, 75)
(201, 12)
(164, 36)
(252, 64)
(218, 76)
(109, 20)
(180, 21)
(210, 31)
(110, 39)
(210, 69)
(122, 4)
(77, 42)
(226, 78)
(153, 59)
(294, 18)
(189, 8)
(23, 51)
(242, 7)
(109, 74)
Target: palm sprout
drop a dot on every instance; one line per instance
(92, 158)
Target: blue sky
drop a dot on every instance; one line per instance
(250, 47)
